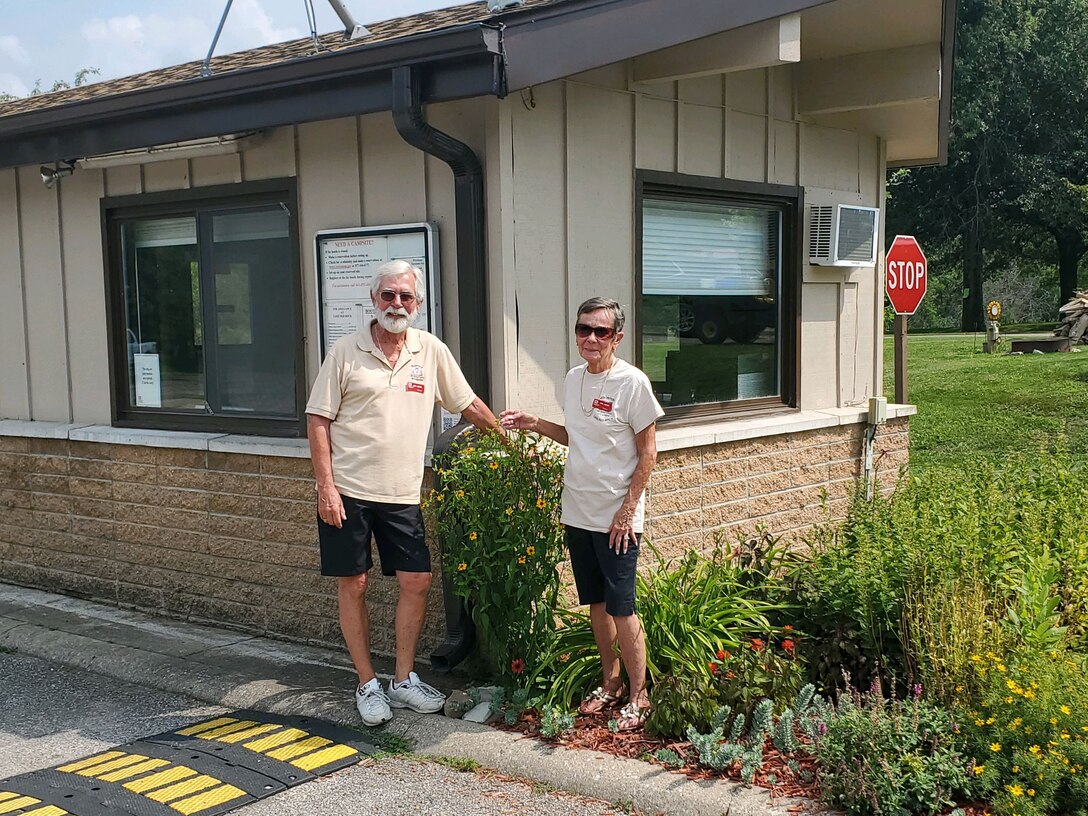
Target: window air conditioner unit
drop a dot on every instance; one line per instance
(842, 235)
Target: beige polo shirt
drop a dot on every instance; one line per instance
(381, 414)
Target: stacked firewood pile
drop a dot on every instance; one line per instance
(1074, 323)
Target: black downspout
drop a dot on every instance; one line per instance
(468, 176)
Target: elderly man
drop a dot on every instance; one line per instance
(367, 420)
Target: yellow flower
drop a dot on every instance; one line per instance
(979, 770)
(1001, 667)
(470, 450)
(1015, 790)
(1029, 694)
(541, 504)
(1008, 699)
(460, 494)
(462, 567)
(1016, 769)
(493, 465)
(1065, 735)
(1066, 710)
(1053, 720)
(440, 496)
(509, 511)
(995, 746)
(521, 559)
(473, 536)
(1031, 791)
(530, 550)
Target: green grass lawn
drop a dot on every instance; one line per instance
(974, 406)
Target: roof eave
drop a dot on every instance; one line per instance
(460, 62)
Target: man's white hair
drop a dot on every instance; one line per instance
(398, 269)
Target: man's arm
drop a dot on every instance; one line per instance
(480, 415)
(330, 507)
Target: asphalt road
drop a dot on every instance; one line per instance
(51, 714)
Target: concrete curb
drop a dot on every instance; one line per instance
(236, 670)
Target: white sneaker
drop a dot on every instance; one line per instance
(372, 703)
(413, 693)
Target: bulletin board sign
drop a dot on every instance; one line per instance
(346, 259)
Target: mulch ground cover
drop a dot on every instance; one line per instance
(785, 777)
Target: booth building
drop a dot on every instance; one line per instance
(177, 250)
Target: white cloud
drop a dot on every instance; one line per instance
(132, 43)
(11, 48)
(11, 84)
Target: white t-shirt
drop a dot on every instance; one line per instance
(620, 403)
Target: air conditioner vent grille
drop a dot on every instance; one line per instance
(822, 219)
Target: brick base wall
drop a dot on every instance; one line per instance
(230, 538)
(784, 484)
(204, 536)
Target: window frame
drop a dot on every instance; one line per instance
(659, 185)
(116, 210)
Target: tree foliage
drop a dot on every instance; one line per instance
(1016, 184)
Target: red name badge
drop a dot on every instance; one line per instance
(415, 386)
(602, 405)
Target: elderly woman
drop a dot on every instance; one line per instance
(610, 415)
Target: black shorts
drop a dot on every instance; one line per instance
(600, 574)
(398, 529)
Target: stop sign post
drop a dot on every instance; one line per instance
(906, 273)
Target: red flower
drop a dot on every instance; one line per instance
(729, 675)
(788, 628)
(713, 667)
(722, 654)
(788, 644)
(517, 665)
(757, 645)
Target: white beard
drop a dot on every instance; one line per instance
(395, 320)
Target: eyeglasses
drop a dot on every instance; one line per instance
(600, 332)
(388, 296)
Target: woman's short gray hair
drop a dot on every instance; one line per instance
(398, 269)
(595, 303)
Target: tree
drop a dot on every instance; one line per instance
(81, 78)
(1018, 154)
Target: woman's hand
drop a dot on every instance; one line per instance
(518, 420)
(620, 534)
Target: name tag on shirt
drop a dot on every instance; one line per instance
(603, 405)
(416, 387)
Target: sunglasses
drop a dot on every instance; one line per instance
(600, 332)
(388, 296)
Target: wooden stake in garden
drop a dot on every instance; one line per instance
(905, 283)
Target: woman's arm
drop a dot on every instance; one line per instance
(523, 421)
(620, 534)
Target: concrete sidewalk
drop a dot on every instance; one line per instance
(236, 670)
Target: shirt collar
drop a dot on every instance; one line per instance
(365, 340)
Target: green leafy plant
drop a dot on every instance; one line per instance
(880, 757)
(496, 509)
(690, 609)
(554, 721)
(764, 667)
(1028, 731)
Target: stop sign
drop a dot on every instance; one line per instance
(905, 268)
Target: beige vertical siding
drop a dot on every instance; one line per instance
(86, 304)
(14, 385)
(576, 146)
(54, 356)
(45, 297)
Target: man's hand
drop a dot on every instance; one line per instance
(330, 508)
(620, 534)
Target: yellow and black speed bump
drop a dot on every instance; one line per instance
(203, 769)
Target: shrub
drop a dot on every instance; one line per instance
(764, 667)
(886, 758)
(1028, 731)
(690, 609)
(496, 509)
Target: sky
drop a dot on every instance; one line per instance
(50, 40)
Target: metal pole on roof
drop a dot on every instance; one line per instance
(206, 68)
(352, 29)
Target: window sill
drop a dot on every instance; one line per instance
(222, 443)
(714, 433)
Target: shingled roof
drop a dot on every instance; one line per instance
(280, 53)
